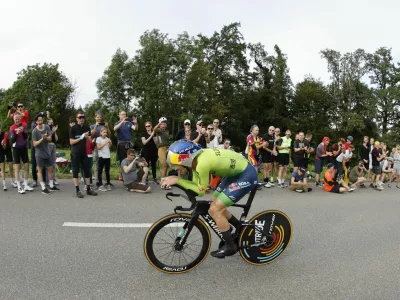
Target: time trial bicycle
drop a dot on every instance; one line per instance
(179, 242)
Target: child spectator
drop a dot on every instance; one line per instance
(103, 144)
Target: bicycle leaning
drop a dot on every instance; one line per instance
(179, 242)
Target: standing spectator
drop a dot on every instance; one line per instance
(364, 152)
(182, 132)
(283, 145)
(337, 149)
(320, 154)
(298, 181)
(188, 134)
(149, 151)
(342, 160)
(19, 138)
(41, 136)
(377, 157)
(33, 157)
(268, 153)
(162, 144)
(396, 165)
(309, 150)
(216, 131)
(371, 147)
(254, 144)
(24, 114)
(200, 136)
(357, 175)
(95, 130)
(53, 148)
(299, 147)
(78, 135)
(6, 155)
(124, 128)
(214, 140)
(134, 181)
(275, 155)
(103, 144)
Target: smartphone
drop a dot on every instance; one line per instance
(102, 123)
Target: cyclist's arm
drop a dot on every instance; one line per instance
(200, 180)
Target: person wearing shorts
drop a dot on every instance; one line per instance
(357, 174)
(320, 154)
(268, 153)
(299, 148)
(330, 183)
(41, 137)
(283, 146)
(376, 158)
(135, 180)
(6, 156)
(19, 138)
(162, 144)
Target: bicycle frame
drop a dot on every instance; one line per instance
(201, 209)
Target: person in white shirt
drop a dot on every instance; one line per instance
(103, 144)
(214, 143)
(342, 159)
(216, 131)
(226, 145)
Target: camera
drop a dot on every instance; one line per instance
(11, 105)
(102, 123)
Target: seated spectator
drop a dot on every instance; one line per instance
(330, 183)
(298, 181)
(226, 145)
(388, 169)
(134, 180)
(357, 174)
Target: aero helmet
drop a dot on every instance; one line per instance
(182, 153)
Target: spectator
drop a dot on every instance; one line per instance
(78, 135)
(342, 159)
(396, 166)
(371, 147)
(337, 148)
(6, 155)
(319, 159)
(357, 175)
(254, 144)
(330, 183)
(103, 144)
(149, 151)
(275, 155)
(188, 134)
(41, 137)
(309, 150)
(377, 157)
(387, 169)
(124, 128)
(214, 141)
(216, 131)
(95, 130)
(364, 152)
(162, 144)
(19, 138)
(90, 144)
(226, 145)
(21, 111)
(283, 145)
(298, 181)
(33, 157)
(268, 153)
(200, 136)
(53, 148)
(299, 147)
(182, 132)
(134, 181)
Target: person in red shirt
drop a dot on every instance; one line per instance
(21, 111)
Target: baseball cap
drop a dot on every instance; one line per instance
(350, 138)
(162, 119)
(377, 143)
(302, 170)
(199, 122)
(186, 121)
(325, 139)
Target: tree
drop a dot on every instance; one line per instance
(385, 78)
(116, 86)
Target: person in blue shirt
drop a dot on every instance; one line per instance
(298, 181)
(124, 128)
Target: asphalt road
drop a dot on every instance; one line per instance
(343, 247)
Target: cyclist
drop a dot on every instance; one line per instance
(239, 178)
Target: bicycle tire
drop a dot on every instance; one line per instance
(274, 222)
(169, 220)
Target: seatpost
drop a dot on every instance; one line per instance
(248, 203)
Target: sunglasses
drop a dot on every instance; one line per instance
(187, 124)
(81, 117)
(148, 125)
(20, 106)
(210, 128)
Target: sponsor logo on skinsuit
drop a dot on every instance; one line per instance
(233, 187)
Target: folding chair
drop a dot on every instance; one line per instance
(62, 164)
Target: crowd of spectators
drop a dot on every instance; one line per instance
(271, 154)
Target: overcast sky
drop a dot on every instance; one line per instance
(83, 35)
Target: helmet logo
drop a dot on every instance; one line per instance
(183, 157)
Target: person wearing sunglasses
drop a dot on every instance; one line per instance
(79, 135)
(149, 150)
(21, 111)
(226, 145)
(200, 136)
(213, 138)
(182, 132)
(283, 145)
(216, 131)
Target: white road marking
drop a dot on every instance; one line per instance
(116, 225)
